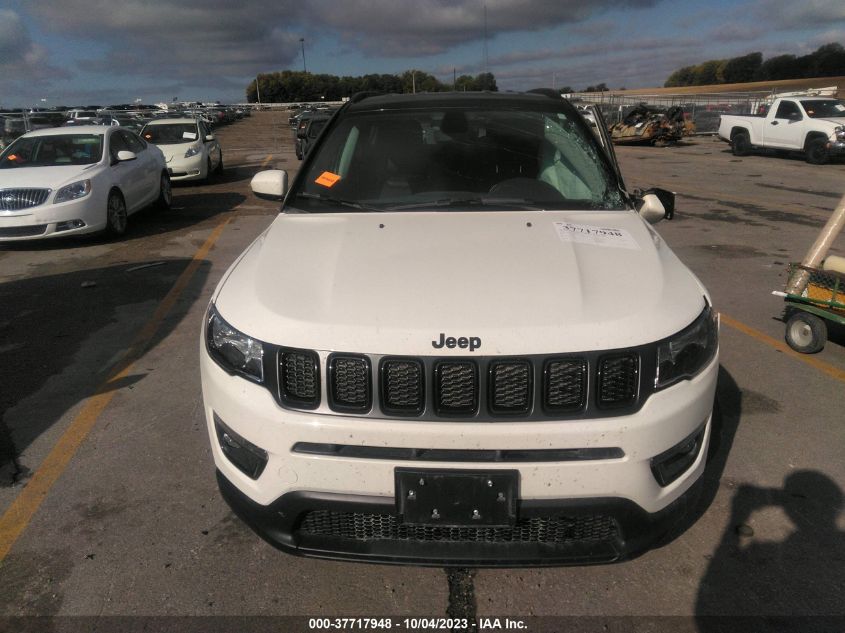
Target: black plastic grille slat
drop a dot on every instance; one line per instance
(565, 384)
(402, 386)
(511, 386)
(300, 378)
(20, 198)
(350, 381)
(457, 387)
(380, 527)
(23, 231)
(618, 380)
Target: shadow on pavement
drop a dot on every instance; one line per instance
(61, 341)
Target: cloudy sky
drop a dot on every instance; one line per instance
(105, 51)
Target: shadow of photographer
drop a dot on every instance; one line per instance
(795, 584)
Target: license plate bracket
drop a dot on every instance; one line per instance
(462, 498)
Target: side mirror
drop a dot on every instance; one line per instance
(655, 205)
(271, 184)
(301, 132)
(124, 155)
(209, 137)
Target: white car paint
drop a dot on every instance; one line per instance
(138, 179)
(206, 155)
(477, 286)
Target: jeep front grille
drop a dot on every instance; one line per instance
(456, 387)
(476, 388)
(349, 383)
(299, 378)
(618, 380)
(565, 384)
(510, 386)
(402, 386)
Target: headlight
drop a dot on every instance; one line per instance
(688, 352)
(73, 191)
(840, 132)
(234, 351)
(193, 150)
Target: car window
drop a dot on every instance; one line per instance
(458, 157)
(824, 108)
(135, 144)
(170, 133)
(53, 151)
(788, 110)
(117, 143)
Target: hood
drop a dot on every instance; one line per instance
(44, 177)
(834, 120)
(521, 282)
(177, 150)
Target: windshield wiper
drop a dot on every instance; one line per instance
(343, 203)
(480, 201)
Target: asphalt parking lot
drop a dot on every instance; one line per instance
(108, 502)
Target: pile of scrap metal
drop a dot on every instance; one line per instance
(651, 125)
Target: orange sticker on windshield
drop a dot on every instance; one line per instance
(327, 179)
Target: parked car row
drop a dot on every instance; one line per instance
(133, 117)
(90, 174)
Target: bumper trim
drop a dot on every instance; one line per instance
(279, 524)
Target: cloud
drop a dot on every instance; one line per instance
(20, 57)
(401, 28)
(790, 15)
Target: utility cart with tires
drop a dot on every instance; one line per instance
(821, 300)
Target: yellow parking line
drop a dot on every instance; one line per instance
(830, 370)
(267, 160)
(17, 517)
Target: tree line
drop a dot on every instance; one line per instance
(826, 61)
(289, 86)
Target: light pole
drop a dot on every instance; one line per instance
(302, 42)
(257, 90)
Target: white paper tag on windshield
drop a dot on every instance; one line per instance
(596, 235)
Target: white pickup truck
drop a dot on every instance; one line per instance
(813, 125)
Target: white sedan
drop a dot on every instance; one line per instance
(86, 179)
(191, 150)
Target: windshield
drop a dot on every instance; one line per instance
(53, 151)
(827, 108)
(457, 158)
(171, 133)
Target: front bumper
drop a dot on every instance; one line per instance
(50, 220)
(549, 532)
(350, 493)
(192, 168)
(836, 148)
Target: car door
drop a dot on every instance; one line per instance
(149, 169)
(126, 174)
(786, 127)
(212, 147)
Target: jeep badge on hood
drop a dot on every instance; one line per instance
(473, 342)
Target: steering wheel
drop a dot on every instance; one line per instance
(526, 188)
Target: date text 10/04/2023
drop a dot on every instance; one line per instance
(415, 624)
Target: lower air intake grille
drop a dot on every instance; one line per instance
(380, 527)
(510, 386)
(349, 377)
(565, 385)
(457, 387)
(299, 378)
(618, 380)
(23, 231)
(402, 386)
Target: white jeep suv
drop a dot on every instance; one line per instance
(460, 343)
